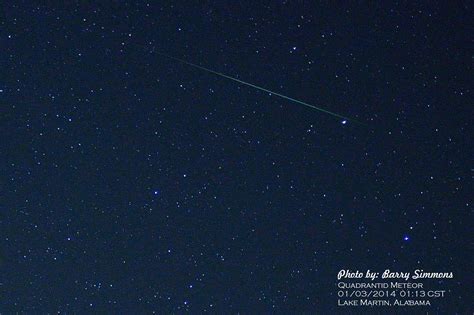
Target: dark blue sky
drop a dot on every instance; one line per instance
(132, 183)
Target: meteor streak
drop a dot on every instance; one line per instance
(259, 88)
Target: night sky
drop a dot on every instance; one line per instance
(132, 183)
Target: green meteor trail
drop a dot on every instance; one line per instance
(260, 88)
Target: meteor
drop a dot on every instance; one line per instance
(345, 119)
